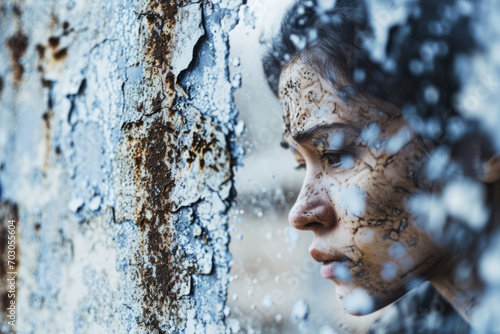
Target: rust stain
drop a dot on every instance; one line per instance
(65, 26)
(52, 48)
(161, 18)
(46, 83)
(54, 41)
(54, 21)
(60, 54)
(57, 52)
(161, 262)
(40, 49)
(17, 43)
(154, 148)
(8, 211)
(157, 103)
(155, 153)
(47, 116)
(16, 10)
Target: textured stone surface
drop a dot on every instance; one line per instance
(116, 147)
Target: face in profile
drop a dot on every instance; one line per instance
(362, 163)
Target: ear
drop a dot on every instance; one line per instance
(491, 169)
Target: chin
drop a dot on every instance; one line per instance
(358, 301)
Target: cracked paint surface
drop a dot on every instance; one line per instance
(116, 141)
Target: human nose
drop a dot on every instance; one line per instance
(313, 209)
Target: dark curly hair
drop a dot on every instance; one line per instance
(420, 54)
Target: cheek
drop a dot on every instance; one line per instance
(379, 249)
(390, 257)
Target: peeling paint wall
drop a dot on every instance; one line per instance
(117, 151)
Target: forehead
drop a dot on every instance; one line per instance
(309, 101)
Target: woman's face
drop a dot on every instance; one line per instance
(362, 162)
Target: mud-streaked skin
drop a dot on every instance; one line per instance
(354, 193)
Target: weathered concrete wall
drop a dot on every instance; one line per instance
(116, 155)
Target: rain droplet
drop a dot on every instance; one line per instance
(431, 95)
(298, 41)
(321, 112)
(236, 61)
(268, 301)
(359, 75)
(236, 81)
(300, 310)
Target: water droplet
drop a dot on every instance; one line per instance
(196, 230)
(358, 302)
(321, 112)
(326, 5)
(268, 301)
(416, 67)
(300, 310)
(236, 81)
(389, 271)
(298, 41)
(359, 75)
(236, 61)
(403, 225)
(431, 95)
(239, 128)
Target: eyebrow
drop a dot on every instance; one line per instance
(307, 135)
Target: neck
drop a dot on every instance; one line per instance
(462, 295)
(465, 295)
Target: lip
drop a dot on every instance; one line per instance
(335, 266)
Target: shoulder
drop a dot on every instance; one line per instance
(422, 310)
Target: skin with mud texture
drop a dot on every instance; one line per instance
(362, 163)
